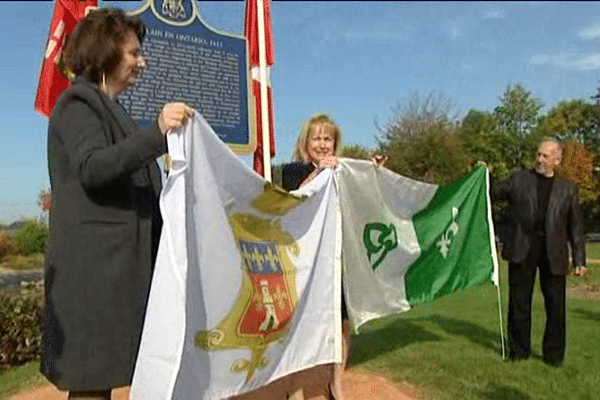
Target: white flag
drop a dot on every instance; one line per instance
(246, 285)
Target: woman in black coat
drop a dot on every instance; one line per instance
(104, 219)
(317, 148)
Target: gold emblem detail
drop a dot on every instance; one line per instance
(265, 305)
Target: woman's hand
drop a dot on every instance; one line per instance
(328, 162)
(173, 116)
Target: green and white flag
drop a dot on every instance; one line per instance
(407, 242)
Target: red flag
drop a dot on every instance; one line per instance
(65, 16)
(251, 32)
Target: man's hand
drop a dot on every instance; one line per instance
(378, 159)
(580, 270)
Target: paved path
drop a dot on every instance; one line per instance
(10, 278)
(356, 386)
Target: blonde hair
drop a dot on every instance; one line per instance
(300, 150)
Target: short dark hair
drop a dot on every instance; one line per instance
(94, 46)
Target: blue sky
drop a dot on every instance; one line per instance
(354, 60)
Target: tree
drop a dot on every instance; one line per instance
(518, 110)
(577, 165)
(422, 139)
(483, 141)
(517, 116)
(356, 151)
(44, 200)
(573, 120)
(32, 237)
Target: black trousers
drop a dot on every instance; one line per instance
(521, 280)
(92, 395)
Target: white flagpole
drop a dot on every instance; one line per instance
(262, 63)
(496, 273)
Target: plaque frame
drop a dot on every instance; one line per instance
(250, 146)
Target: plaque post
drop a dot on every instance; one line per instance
(262, 57)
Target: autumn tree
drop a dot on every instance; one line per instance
(574, 123)
(573, 120)
(44, 200)
(577, 165)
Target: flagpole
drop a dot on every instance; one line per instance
(264, 106)
(496, 272)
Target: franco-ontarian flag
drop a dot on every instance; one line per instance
(406, 242)
(247, 284)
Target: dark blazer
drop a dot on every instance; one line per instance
(564, 220)
(293, 174)
(104, 232)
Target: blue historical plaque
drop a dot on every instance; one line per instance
(186, 61)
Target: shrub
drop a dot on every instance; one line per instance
(18, 262)
(20, 326)
(32, 237)
(7, 245)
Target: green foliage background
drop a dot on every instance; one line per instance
(32, 237)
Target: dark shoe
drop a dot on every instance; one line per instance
(514, 357)
(553, 363)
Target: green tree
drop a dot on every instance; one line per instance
(422, 139)
(356, 151)
(483, 141)
(517, 116)
(32, 237)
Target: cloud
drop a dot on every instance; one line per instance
(590, 32)
(378, 33)
(494, 13)
(591, 62)
(455, 27)
(582, 62)
(539, 59)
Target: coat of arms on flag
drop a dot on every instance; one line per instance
(267, 298)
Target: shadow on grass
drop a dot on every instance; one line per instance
(594, 316)
(403, 332)
(492, 391)
(474, 333)
(395, 335)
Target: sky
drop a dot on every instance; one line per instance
(352, 60)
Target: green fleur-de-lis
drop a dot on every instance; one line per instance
(386, 240)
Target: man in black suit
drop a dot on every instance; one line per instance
(544, 217)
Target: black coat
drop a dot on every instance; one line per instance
(104, 232)
(564, 220)
(293, 174)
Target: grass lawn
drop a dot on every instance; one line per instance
(20, 262)
(593, 251)
(450, 349)
(20, 378)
